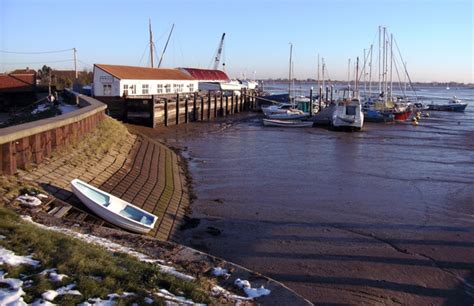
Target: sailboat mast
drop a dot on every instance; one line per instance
(289, 72)
(349, 73)
(151, 42)
(365, 79)
(319, 82)
(356, 73)
(391, 65)
(324, 78)
(370, 71)
(380, 59)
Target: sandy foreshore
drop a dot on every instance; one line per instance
(378, 217)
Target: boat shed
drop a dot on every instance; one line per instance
(212, 80)
(140, 82)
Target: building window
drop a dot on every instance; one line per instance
(175, 88)
(168, 88)
(133, 89)
(107, 90)
(159, 88)
(191, 87)
(125, 89)
(144, 89)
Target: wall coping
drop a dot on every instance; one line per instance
(13, 133)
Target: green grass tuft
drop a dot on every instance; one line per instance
(95, 271)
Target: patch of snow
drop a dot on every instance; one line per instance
(40, 302)
(14, 283)
(115, 247)
(97, 302)
(67, 108)
(148, 300)
(117, 296)
(12, 297)
(8, 257)
(53, 275)
(40, 108)
(2, 237)
(218, 271)
(29, 200)
(251, 292)
(50, 295)
(42, 195)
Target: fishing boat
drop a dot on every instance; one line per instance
(113, 209)
(287, 123)
(454, 105)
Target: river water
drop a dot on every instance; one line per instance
(382, 216)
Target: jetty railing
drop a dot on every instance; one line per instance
(24, 144)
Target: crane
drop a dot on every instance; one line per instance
(217, 59)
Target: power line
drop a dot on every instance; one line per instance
(42, 62)
(38, 52)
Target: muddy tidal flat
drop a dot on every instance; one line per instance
(383, 216)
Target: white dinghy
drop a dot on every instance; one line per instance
(287, 123)
(113, 209)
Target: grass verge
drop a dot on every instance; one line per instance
(95, 271)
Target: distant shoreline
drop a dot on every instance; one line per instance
(432, 84)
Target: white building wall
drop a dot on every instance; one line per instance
(106, 85)
(184, 86)
(102, 80)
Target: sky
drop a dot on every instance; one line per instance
(435, 37)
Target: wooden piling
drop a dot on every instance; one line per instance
(311, 102)
(209, 106)
(152, 111)
(186, 113)
(221, 109)
(166, 112)
(177, 109)
(215, 105)
(202, 108)
(195, 118)
(327, 93)
(232, 110)
(226, 106)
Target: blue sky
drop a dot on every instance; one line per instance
(435, 37)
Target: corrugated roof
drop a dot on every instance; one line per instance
(144, 73)
(207, 74)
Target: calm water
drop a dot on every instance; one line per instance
(384, 216)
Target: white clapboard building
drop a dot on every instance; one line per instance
(140, 82)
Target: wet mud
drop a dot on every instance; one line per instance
(383, 216)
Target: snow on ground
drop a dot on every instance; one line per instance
(109, 302)
(41, 108)
(251, 292)
(29, 200)
(115, 247)
(50, 295)
(67, 108)
(12, 295)
(8, 257)
(218, 271)
(2, 237)
(53, 275)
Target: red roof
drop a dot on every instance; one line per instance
(207, 74)
(143, 73)
(23, 82)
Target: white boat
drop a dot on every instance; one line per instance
(276, 109)
(348, 114)
(290, 114)
(287, 123)
(113, 209)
